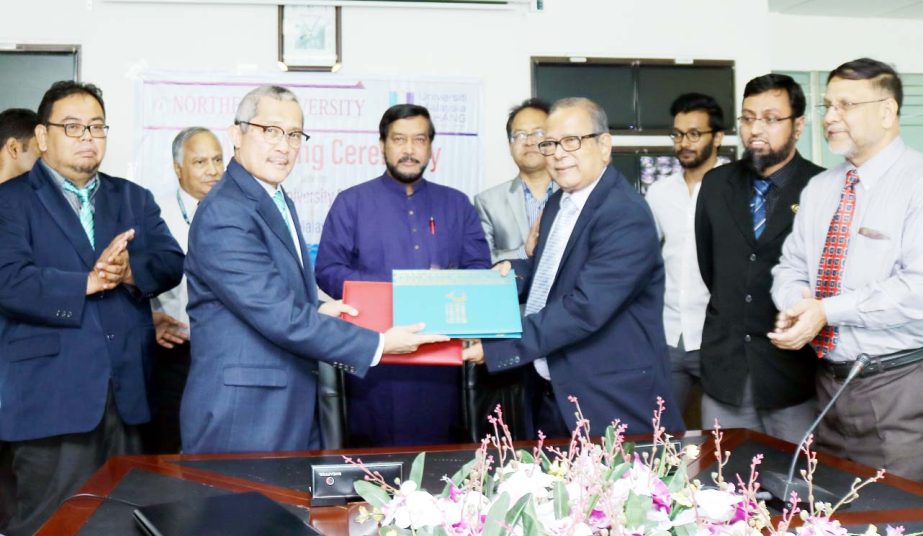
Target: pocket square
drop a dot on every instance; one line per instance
(873, 234)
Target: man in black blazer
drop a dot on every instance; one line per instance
(744, 214)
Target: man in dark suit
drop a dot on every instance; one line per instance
(81, 254)
(256, 330)
(593, 326)
(744, 213)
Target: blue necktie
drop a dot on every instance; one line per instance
(279, 199)
(86, 208)
(758, 205)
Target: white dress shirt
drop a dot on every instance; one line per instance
(686, 295)
(177, 210)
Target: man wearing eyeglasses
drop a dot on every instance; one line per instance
(593, 326)
(509, 210)
(256, 330)
(401, 220)
(81, 254)
(850, 280)
(744, 213)
(698, 129)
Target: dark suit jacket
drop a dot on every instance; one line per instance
(736, 269)
(602, 326)
(255, 331)
(58, 347)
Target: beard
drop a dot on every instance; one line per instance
(700, 158)
(406, 178)
(759, 162)
(85, 169)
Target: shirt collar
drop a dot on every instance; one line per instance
(872, 171)
(552, 188)
(270, 189)
(189, 203)
(60, 179)
(397, 186)
(580, 196)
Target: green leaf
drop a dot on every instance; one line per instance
(459, 477)
(526, 456)
(636, 509)
(392, 530)
(371, 493)
(530, 524)
(609, 438)
(439, 531)
(678, 479)
(493, 525)
(688, 529)
(561, 500)
(512, 517)
(416, 470)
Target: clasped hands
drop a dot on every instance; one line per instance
(799, 324)
(112, 267)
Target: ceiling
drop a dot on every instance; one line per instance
(897, 9)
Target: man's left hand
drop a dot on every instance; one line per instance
(799, 324)
(335, 308)
(474, 352)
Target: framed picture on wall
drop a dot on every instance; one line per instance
(309, 38)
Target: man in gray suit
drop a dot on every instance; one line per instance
(508, 211)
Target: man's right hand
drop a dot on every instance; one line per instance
(404, 339)
(503, 267)
(532, 239)
(112, 266)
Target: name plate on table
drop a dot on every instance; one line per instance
(333, 484)
(373, 301)
(476, 304)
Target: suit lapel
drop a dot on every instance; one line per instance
(602, 190)
(265, 206)
(782, 213)
(544, 229)
(307, 270)
(516, 199)
(738, 196)
(106, 214)
(62, 213)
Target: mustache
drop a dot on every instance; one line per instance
(409, 159)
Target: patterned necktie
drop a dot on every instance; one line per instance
(758, 205)
(548, 267)
(833, 258)
(86, 208)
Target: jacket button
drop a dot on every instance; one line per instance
(748, 298)
(747, 338)
(752, 257)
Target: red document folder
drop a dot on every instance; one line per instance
(373, 301)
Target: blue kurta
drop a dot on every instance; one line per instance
(371, 229)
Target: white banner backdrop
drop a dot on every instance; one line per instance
(341, 116)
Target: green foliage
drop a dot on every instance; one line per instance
(372, 494)
(416, 470)
(494, 524)
(561, 500)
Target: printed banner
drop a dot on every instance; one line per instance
(341, 116)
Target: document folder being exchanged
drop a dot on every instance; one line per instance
(373, 301)
(235, 514)
(477, 304)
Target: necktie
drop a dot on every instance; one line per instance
(548, 265)
(758, 205)
(86, 208)
(833, 258)
(279, 199)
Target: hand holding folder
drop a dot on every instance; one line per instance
(373, 302)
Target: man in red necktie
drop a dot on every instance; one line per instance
(850, 280)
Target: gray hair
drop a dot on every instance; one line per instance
(597, 114)
(246, 110)
(180, 141)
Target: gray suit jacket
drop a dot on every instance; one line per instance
(503, 215)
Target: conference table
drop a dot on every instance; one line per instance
(104, 505)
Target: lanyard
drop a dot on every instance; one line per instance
(182, 208)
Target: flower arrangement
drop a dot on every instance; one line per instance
(591, 488)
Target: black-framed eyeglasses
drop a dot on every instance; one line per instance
(771, 121)
(521, 136)
(844, 106)
(691, 135)
(76, 130)
(568, 143)
(273, 134)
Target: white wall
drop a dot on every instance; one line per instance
(494, 46)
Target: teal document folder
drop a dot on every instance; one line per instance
(475, 304)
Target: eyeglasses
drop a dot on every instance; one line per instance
(521, 136)
(273, 134)
(844, 106)
(76, 130)
(692, 135)
(568, 143)
(770, 122)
